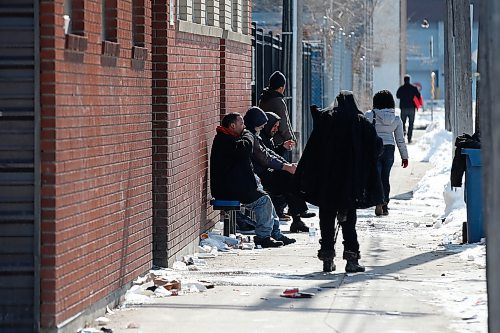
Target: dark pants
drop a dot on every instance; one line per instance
(410, 115)
(327, 225)
(281, 182)
(384, 165)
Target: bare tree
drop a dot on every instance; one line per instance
(354, 19)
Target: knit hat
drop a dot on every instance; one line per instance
(277, 80)
(254, 117)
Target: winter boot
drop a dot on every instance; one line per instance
(286, 240)
(378, 210)
(298, 225)
(327, 255)
(385, 210)
(266, 242)
(353, 265)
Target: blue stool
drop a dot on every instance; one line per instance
(229, 208)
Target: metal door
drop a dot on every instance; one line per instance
(19, 170)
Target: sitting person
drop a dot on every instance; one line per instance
(232, 178)
(267, 135)
(274, 171)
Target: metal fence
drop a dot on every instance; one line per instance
(268, 56)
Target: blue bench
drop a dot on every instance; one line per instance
(229, 208)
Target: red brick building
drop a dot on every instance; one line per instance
(106, 127)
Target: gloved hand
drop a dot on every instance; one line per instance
(404, 163)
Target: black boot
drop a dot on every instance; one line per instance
(353, 265)
(327, 255)
(266, 242)
(298, 225)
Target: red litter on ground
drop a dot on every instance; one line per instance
(295, 293)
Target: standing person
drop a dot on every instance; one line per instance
(232, 178)
(274, 171)
(407, 94)
(338, 173)
(389, 127)
(271, 100)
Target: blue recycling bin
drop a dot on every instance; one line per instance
(474, 195)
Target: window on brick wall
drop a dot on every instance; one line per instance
(109, 22)
(212, 10)
(225, 14)
(186, 10)
(77, 8)
(138, 23)
(245, 15)
(199, 11)
(236, 16)
(68, 13)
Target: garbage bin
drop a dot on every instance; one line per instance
(474, 195)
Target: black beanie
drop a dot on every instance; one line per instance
(277, 80)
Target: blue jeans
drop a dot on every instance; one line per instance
(384, 166)
(267, 221)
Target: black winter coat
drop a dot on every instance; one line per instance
(405, 94)
(231, 172)
(338, 167)
(272, 101)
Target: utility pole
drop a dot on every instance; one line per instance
(489, 71)
(459, 67)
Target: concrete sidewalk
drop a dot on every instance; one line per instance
(404, 266)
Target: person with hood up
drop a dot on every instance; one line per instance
(271, 100)
(338, 173)
(274, 171)
(389, 127)
(232, 178)
(267, 135)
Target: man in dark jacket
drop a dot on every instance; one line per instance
(274, 171)
(232, 178)
(406, 94)
(338, 173)
(271, 100)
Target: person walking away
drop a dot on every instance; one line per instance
(271, 100)
(338, 173)
(407, 93)
(389, 127)
(232, 178)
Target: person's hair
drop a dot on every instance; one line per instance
(383, 100)
(407, 78)
(229, 119)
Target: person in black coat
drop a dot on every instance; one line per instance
(406, 94)
(232, 178)
(274, 171)
(338, 173)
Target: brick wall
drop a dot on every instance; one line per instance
(193, 84)
(96, 160)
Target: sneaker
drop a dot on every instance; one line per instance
(298, 226)
(284, 217)
(286, 240)
(378, 210)
(385, 210)
(266, 242)
(307, 214)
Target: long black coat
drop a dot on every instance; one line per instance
(231, 172)
(338, 167)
